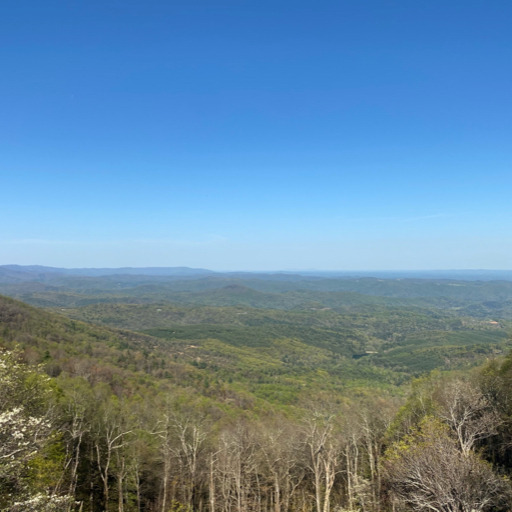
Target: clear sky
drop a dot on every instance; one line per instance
(255, 134)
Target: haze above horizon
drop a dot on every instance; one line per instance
(256, 135)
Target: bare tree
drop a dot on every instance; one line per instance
(76, 425)
(364, 427)
(279, 447)
(468, 412)
(236, 472)
(324, 452)
(166, 440)
(429, 472)
(181, 437)
(110, 436)
(190, 435)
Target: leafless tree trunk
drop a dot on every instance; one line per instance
(191, 437)
(324, 451)
(110, 438)
(121, 474)
(236, 473)
(211, 482)
(165, 436)
(279, 448)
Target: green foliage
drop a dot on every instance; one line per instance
(31, 455)
(44, 470)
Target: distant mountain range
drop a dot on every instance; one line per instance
(23, 273)
(19, 273)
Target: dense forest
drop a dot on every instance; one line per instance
(206, 393)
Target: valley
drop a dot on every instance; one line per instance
(234, 362)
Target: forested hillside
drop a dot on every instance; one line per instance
(116, 401)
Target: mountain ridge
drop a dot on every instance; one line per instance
(26, 272)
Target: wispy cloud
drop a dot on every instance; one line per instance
(201, 241)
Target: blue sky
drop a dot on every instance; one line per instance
(256, 135)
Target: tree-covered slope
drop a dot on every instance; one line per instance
(160, 406)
